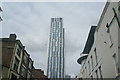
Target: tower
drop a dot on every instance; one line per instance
(55, 67)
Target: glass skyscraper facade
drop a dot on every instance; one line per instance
(55, 67)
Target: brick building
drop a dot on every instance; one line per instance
(38, 74)
(16, 62)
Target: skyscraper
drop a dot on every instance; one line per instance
(55, 67)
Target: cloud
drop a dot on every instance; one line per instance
(31, 22)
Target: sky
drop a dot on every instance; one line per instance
(30, 21)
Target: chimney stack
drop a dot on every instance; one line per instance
(13, 36)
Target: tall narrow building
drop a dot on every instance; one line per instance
(55, 67)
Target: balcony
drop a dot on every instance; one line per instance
(82, 57)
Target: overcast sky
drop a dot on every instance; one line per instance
(30, 21)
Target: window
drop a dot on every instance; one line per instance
(23, 71)
(100, 72)
(1, 9)
(108, 33)
(91, 77)
(53, 48)
(115, 61)
(30, 65)
(110, 40)
(18, 51)
(96, 56)
(96, 72)
(85, 72)
(13, 77)
(28, 75)
(25, 59)
(89, 66)
(16, 64)
(1, 19)
(92, 62)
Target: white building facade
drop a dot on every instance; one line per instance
(103, 58)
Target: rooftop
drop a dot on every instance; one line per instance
(88, 45)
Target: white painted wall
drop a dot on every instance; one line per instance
(108, 63)
(104, 50)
